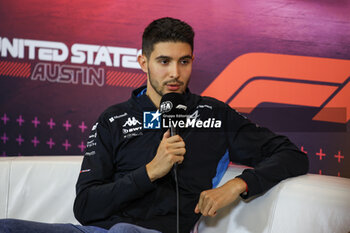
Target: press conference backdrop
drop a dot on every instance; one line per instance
(284, 63)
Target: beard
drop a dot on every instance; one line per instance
(159, 87)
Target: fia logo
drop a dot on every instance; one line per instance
(151, 120)
(166, 106)
(132, 122)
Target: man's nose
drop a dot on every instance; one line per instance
(174, 70)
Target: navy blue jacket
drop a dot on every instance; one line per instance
(113, 185)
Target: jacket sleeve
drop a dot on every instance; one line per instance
(272, 157)
(99, 193)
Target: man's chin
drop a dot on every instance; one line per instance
(176, 91)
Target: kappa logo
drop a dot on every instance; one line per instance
(286, 79)
(132, 122)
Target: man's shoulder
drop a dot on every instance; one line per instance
(117, 110)
(212, 101)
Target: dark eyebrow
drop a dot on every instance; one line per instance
(169, 58)
(186, 57)
(162, 57)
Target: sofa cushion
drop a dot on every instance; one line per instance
(43, 188)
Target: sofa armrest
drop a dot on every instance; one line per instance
(40, 188)
(4, 185)
(308, 203)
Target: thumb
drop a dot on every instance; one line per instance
(166, 134)
(196, 210)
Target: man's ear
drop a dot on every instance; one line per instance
(142, 59)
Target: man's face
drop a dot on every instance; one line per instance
(168, 68)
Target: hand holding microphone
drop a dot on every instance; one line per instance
(171, 149)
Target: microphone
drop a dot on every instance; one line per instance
(173, 106)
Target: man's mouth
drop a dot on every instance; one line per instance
(173, 86)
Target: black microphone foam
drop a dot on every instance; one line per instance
(173, 108)
(172, 104)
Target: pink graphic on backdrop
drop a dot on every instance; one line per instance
(321, 154)
(82, 146)
(35, 141)
(339, 156)
(3, 154)
(36, 122)
(15, 69)
(20, 120)
(302, 149)
(50, 143)
(5, 119)
(66, 145)
(67, 125)
(51, 123)
(125, 79)
(4, 138)
(83, 127)
(20, 139)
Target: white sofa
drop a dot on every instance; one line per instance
(43, 189)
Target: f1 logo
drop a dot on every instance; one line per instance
(255, 78)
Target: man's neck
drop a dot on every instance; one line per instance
(154, 97)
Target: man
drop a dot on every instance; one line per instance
(126, 174)
(128, 177)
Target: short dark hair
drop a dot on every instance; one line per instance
(165, 30)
